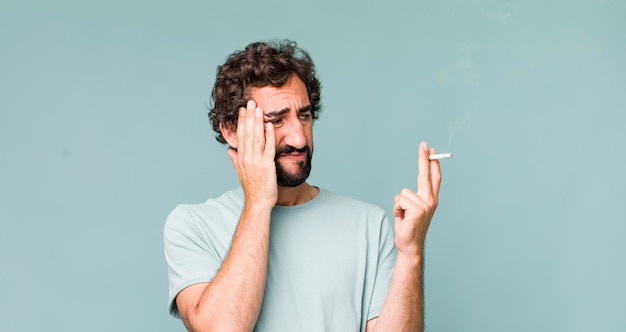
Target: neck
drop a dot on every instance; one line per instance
(288, 196)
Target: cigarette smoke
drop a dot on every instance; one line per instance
(455, 125)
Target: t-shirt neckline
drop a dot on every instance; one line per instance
(321, 197)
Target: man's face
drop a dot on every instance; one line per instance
(289, 110)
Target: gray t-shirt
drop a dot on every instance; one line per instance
(329, 267)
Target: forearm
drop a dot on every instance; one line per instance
(404, 306)
(232, 301)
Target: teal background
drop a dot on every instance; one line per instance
(103, 130)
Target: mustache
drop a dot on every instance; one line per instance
(287, 149)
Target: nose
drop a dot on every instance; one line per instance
(293, 133)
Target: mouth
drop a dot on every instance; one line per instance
(295, 156)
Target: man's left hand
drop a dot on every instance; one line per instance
(413, 211)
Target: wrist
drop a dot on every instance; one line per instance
(258, 207)
(414, 258)
(259, 200)
(413, 254)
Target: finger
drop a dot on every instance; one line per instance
(270, 141)
(249, 130)
(408, 201)
(424, 185)
(410, 196)
(398, 209)
(258, 130)
(241, 129)
(412, 203)
(435, 176)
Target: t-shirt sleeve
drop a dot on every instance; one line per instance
(190, 257)
(387, 254)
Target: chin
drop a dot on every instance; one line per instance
(293, 174)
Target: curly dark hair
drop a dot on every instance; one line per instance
(260, 64)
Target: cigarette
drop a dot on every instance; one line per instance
(440, 156)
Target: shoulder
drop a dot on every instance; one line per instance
(214, 210)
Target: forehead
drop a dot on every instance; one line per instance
(291, 95)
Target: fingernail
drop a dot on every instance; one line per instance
(258, 112)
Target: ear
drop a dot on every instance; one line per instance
(229, 131)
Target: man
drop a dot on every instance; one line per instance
(278, 254)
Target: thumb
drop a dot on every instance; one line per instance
(232, 153)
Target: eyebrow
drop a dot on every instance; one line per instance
(304, 109)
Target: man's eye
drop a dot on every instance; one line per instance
(276, 122)
(306, 117)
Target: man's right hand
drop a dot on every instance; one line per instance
(232, 300)
(254, 157)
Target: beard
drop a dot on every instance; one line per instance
(286, 179)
